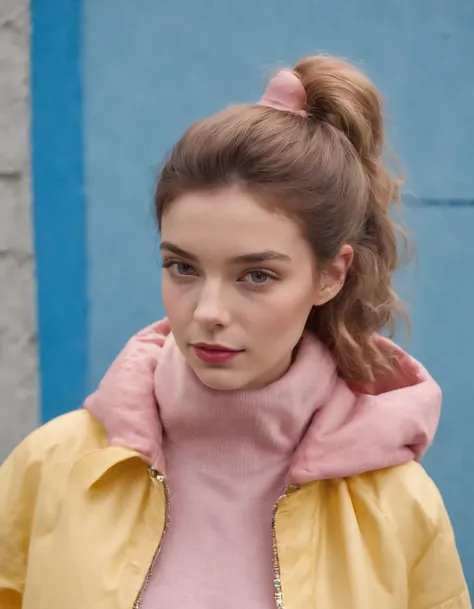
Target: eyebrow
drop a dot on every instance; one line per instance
(263, 256)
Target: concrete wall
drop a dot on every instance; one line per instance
(18, 362)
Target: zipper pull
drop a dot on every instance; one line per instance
(155, 474)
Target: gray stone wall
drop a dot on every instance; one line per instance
(18, 349)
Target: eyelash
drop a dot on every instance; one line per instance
(169, 263)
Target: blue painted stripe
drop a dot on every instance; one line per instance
(59, 203)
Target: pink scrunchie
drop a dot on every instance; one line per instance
(285, 92)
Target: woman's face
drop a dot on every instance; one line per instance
(238, 284)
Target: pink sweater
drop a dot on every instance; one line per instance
(229, 455)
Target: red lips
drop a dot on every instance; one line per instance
(214, 354)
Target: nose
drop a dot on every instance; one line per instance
(211, 309)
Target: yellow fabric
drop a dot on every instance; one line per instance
(80, 522)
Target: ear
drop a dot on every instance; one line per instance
(333, 277)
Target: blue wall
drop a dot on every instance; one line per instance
(58, 203)
(150, 68)
(153, 67)
(442, 307)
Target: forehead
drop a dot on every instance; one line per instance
(229, 219)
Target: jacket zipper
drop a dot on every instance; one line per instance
(155, 474)
(276, 560)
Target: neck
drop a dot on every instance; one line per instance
(240, 431)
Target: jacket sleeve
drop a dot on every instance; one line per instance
(436, 580)
(19, 479)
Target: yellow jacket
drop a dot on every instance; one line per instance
(82, 517)
(81, 521)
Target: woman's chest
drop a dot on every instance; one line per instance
(120, 548)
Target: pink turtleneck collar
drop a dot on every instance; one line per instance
(311, 415)
(240, 432)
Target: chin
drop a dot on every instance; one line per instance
(221, 380)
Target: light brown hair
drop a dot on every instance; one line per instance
(325, 170)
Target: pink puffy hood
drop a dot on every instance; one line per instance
(352, 432)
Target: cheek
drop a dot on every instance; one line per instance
(166, 293)
(173, 301)
(296, 298)
(284, 312)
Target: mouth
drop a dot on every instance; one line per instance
(214, 354)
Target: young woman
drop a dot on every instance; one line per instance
(259, 447)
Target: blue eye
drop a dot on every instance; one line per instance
(183, 268)
(178, 269)
(258, 277)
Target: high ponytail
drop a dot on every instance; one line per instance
(345, 99)
(321, 163)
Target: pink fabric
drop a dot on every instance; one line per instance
(229, 455)
(390, 423)
(285, 92)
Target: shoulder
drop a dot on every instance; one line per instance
(411, 505)
(37, 468)
(32, 481)
(61, 440)
(407, 490)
